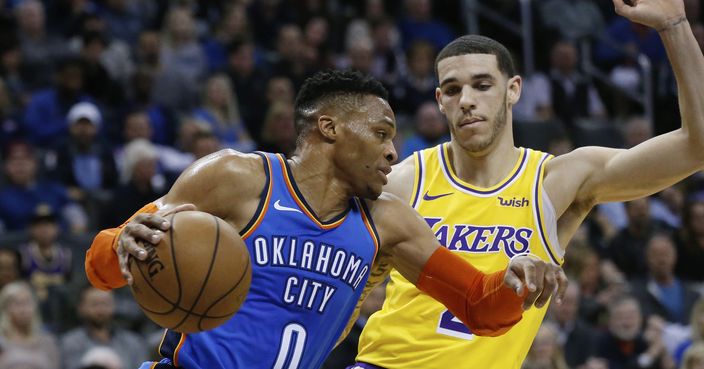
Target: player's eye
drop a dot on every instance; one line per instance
(483, 86)
(452, 90)
(382, 134)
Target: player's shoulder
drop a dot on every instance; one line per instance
(401, 178)
(389, 211)
(577, 160)
(224, 170)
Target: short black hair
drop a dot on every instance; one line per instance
(328, 85)
(475, 44)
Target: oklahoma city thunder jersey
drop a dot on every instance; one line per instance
(486, 227)
(307, 276)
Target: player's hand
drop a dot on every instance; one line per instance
(658, 14)
(540, 279)
(144, 228)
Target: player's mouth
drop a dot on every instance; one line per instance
(384, 173)
(470, 121)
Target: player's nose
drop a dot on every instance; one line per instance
(390, 152)
(468, 101)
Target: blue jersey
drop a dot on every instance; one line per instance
(307, 276)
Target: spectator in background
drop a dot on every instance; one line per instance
(690, 241)
(535, 103)
(9, 124)
(573, 96)
(140, 181)
(83, 162)
(181, 55)
(97, 80)
(694, 357)
(9, 266)
(46, 263)
(389, 58)
(144, 88)
(418, 24)
(696, 337)
(627, 248)
(279, 132)
(124, 20)
(359, 56)
(138, 125)
(39, 48)
(101, 358)
(290, 59)
(205, 143)
(636, 130)
(546, 352)
(661, 293)
(16, 74)
(221, 110)
(21, 326)
(630, 40)
(430, 129)
(233, 25)
(316, 38)
(419, 84)
(245, 75)
(623, 342)
(577, 18)
(116, 56)
(668, 205)
(45, 115)
(24, 191)
(96, 309)
(575, 336)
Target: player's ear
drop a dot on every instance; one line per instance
(438, 95)
(514, 89)
(327, 127)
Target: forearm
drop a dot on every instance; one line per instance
(102, 266)
(688, 65)
(481, 301)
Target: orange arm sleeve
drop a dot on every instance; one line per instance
(480, 301)
(102, 266)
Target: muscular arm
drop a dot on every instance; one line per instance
(226, 184)
(592, 175)
(487, 303)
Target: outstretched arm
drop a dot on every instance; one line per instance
(489, 304)
(593, 174)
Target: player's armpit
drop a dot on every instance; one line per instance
(481, 301)
(102, 266)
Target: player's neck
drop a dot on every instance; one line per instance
(484, 169)
(314, 174)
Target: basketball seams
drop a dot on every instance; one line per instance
(207, 275)
(234, 288)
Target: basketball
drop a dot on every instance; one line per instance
(196, 278)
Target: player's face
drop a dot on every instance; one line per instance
(475, 97)
(366, 150)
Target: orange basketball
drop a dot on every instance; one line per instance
(196, 278)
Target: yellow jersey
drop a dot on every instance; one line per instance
(486, 227)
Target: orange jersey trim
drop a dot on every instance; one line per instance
(265, 202)
(178, 348)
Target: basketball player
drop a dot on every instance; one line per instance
(487, 200)
(315, 236)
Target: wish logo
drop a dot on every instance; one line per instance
(513, 202)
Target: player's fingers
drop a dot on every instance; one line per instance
(141, 232)
(512, 281)
(123, 260)
(622, 7)
(529, 275)
(562, 283)
(549, 285)
(156, 220)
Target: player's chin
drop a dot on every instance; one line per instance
(372, 192)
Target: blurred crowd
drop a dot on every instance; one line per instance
(104, 102)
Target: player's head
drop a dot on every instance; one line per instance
(347, 115)
(478, 86)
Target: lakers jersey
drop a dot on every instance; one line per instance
(307, 276)
(486, 227)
